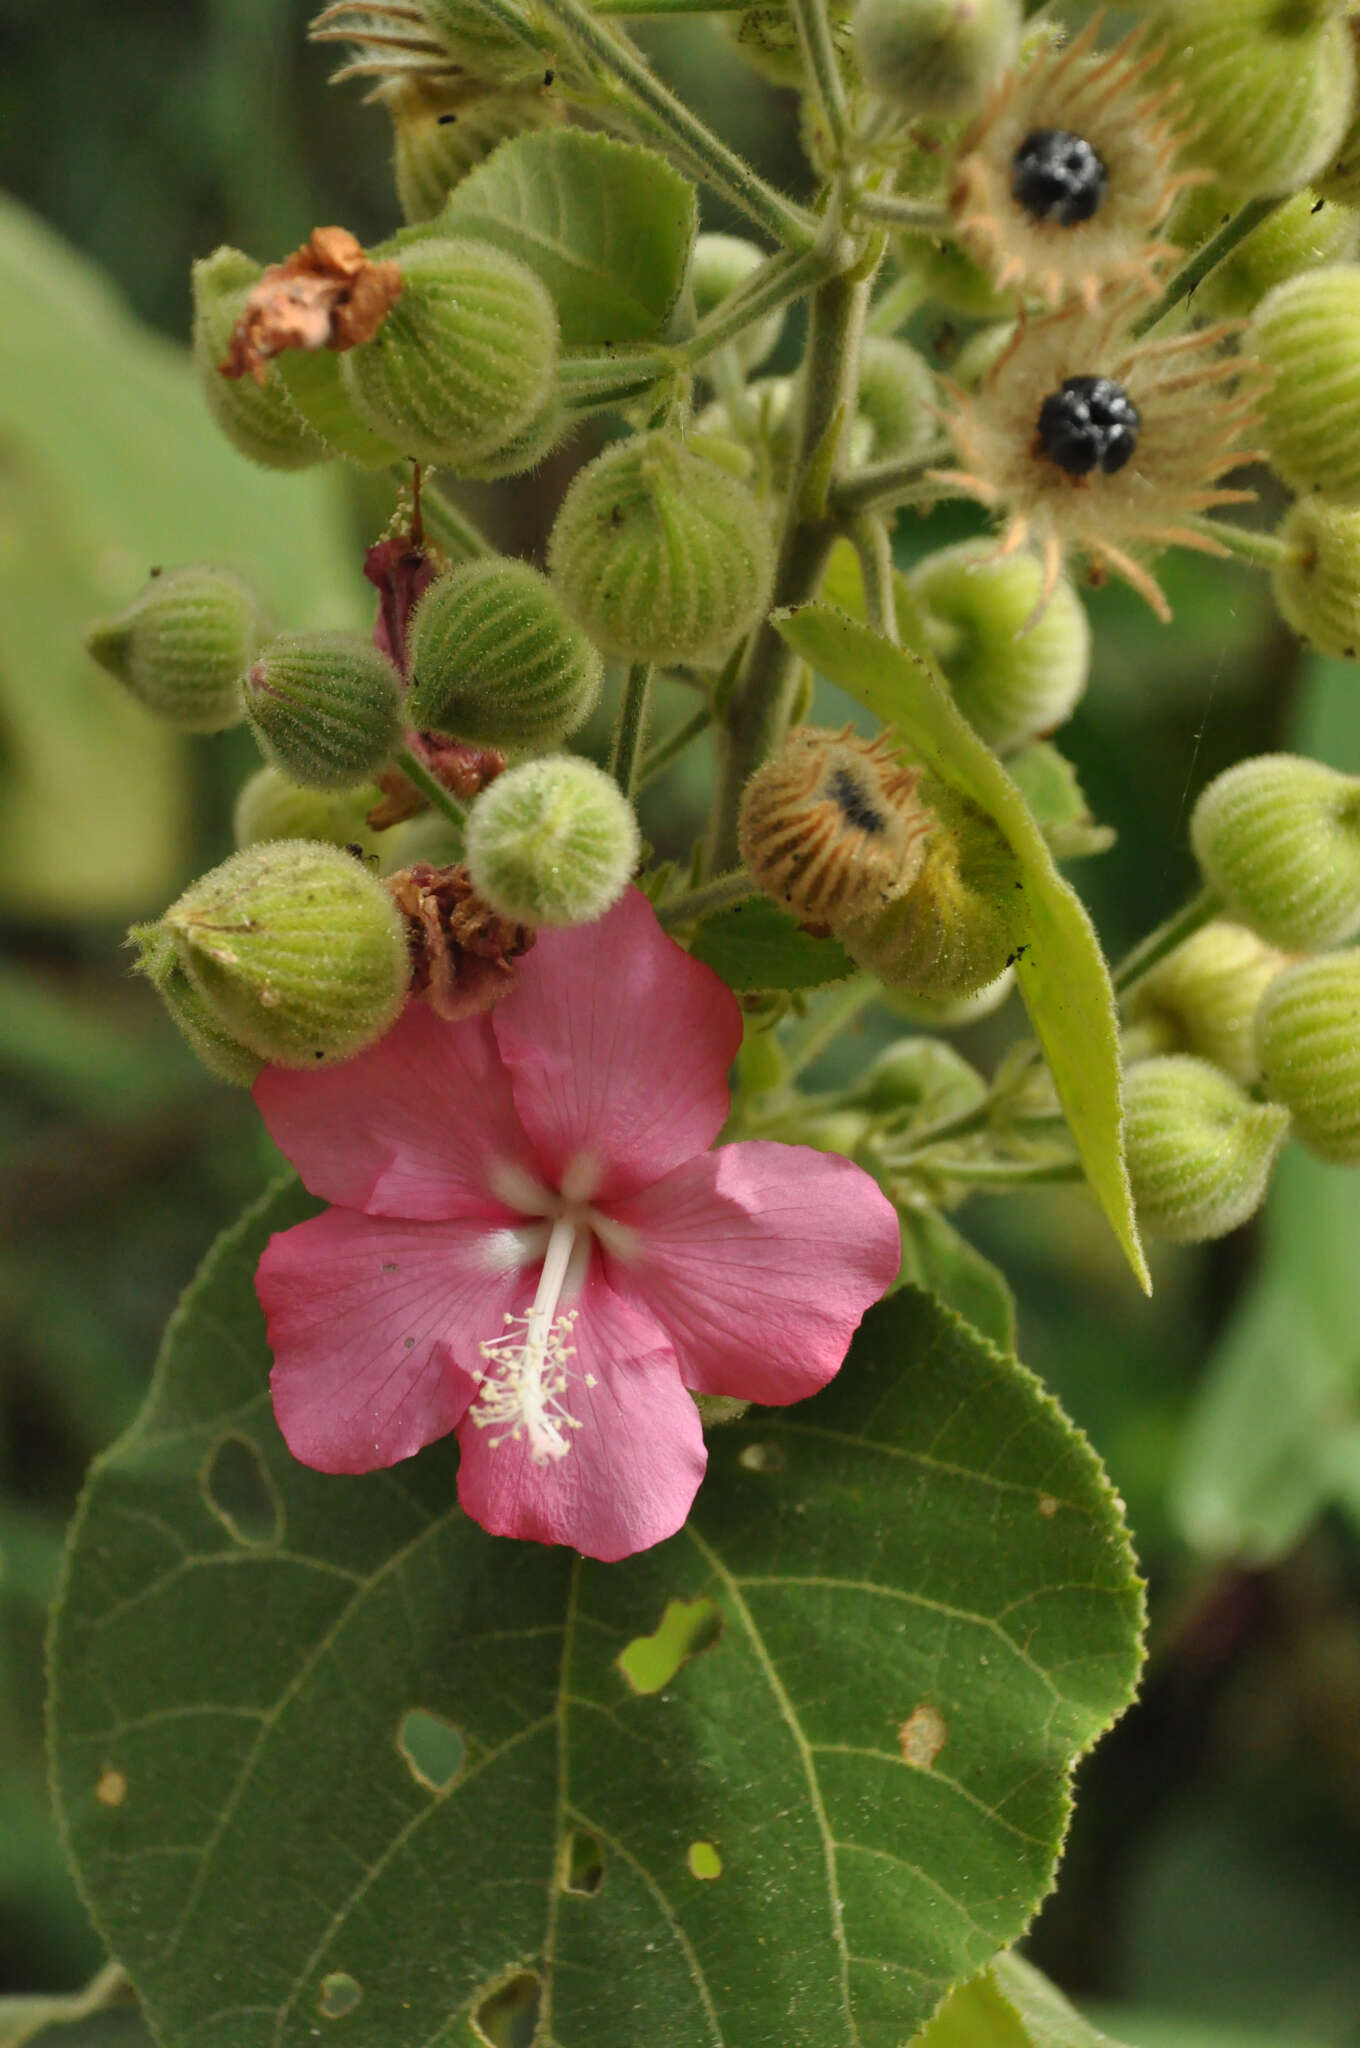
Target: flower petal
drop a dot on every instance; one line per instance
(759, 1259)
(421, 1125)
(362, 1316)
(633, 1466)
(618, 1046)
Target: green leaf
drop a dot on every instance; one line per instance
(1048, 783)
(756, 945)
(849, 1794)
(1011, 2006)
(940, 1259)
(607, 226)
(1059, 966)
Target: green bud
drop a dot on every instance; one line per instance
(1278, 838)
(270, 806)
(1316, 586)
(443, 127)
(1341, 179)
(1308, 332)
(221, 1054)
(297, 951)
(1308, 1041)
(923, 1076)
(1265, 88)
(660, 554)
(897, 397)
(1199, 1150)
(316, 387)
(464, 359)
(495, 659)
(1016, 665)
(181, 645)
(258, 419)
(324, 707)
(1202, 998)
(935, 56)
(526, 449)
(552, 842)
(951, 1013)
(720, 267)
(767, 37)
(1302, 234)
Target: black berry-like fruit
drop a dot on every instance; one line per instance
(1089, 423)
(1057, 176)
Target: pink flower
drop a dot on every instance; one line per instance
(531, 1244)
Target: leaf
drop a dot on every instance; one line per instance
(1048, 782)
(607, 226)
(940, 1259)
(756, 946)
(926, 1611)
(1059, 966)
(1011, 2006)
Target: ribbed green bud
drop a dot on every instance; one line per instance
(527, 448)
(1302, 234)
(1199, 1150)
(897, 396)
(271, 806)
(298, 952)
(1015, 670)
(496, 660)
(935, 56)
(660, 554)
(258, 419)
(720, 267)
(1341, 179)
(1278, 838)
(1316, 586)
(1265, 86)
(552, 842)
(464, 359)
(1308, 1041)
(325, 708)
(180, 646)
(442, 128)
(221, 1054)
(1308, 332)
(1202, 998)
(922, 1075)
(953, 930)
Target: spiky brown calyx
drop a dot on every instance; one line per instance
(463, 953)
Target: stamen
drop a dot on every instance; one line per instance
(528, 1368)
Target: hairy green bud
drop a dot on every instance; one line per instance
(935, 56)
(465, 358)
(552, 842)
(1199, 1150)
(324, 707)
(220, 1053)
(720, 267)
(259, 420)
(1278, 838)
(921, 1077)
(181, 645)
(1308, 1042)
(1016, 665)
(296, 950)
(897, 398)
(443, 127)
(1307, 331)
(1202, 998)
(495, 659)
(660, 554)
(1316, 586)
(271, 806)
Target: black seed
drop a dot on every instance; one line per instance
(1058, 177)
(1090, 423)
(851, 801)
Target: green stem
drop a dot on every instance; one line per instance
(719, 894)
(448, 525)
(837, 1009)
(595, 379)
(1189, 919)
(665, 751)
(872, 543)
(757, 712)
(669, 121)
(882, 485)
(1196, 268)
(823, 69)
(631, 726)
(1262, 550)
(777, 282)
(961, 1125)
(896, 306)
(415, 771)
(917, 214)
(998, 1176)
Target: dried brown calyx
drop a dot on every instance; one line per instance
(464, 771)
(462, 954)
(328, 294)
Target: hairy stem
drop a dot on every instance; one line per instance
(904, 480)
(1262, 550)
(1207, 257)
(719, 894)
(904, 213)
(631, 727)
(823, 69)
(1179, 927)
(447, 524)
(666, 750)
(415, 771)
(777, 282)
(872, 543)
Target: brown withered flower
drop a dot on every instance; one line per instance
(327, 294)
(1061, 184)
(462, 954)
(1089, 441)
(463, 770)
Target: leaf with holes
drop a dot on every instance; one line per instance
(332, 1761)
(607, 226)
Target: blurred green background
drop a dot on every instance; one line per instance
(1211, 1894)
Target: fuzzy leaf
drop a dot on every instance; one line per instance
(1048, 782)
(860, 1679)
(1059, 965)
(607, 226)
(940, 1259)
(756, 946)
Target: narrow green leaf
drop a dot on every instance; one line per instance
(940, 1259)
(1048, 782)
(1059, 965)
(607, 226)
(909, 1606)
(756, 945)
